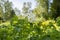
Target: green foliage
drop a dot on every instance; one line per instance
(58, 21)
(55, 9)
(21, 29)
(6, 10)
(26, 7)
(18, 28)
(41, 9)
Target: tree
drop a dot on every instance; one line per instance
(27, 12)
(26, 7)
(55, 8)
(1, 11)
(7, 11)
(42, 8)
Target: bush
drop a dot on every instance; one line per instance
(24, 30)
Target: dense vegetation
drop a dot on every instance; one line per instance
(43, 26)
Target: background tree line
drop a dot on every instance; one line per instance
(42, 9)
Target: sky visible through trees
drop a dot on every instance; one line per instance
(19, 3)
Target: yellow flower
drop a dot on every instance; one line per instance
(45, 23)
(57, 27)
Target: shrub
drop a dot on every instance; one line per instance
(24, 30)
